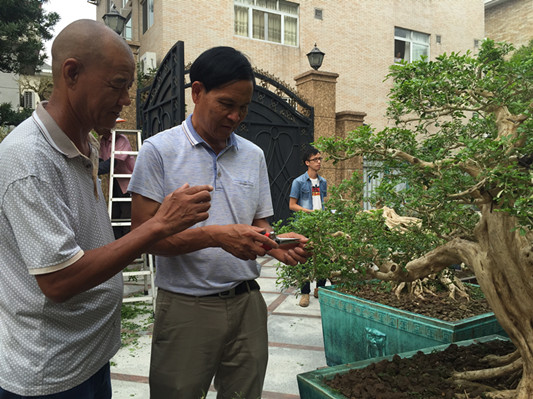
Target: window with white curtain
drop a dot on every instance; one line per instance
(148, 14)
(269, 20)
(409, 45)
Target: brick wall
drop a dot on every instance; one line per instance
(357, 37)
(510, 21)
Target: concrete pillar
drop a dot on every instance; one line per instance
(347, 121)
(319, 89)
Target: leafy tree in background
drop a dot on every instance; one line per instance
(24, 26)
(9, 116)
(458, 158)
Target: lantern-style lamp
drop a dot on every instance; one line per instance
(115, 20)
(315, 57)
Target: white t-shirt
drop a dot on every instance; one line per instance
(315, 187)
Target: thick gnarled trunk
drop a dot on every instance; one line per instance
(503, 266)
(502, 260)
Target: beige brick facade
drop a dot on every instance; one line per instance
(510, 21)
(357, 37)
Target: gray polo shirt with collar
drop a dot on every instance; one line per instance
(51, 211)
(241, 194)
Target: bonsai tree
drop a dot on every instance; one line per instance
(457, 162)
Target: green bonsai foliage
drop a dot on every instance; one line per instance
(457, 157)
(348, 242)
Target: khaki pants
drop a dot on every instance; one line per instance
(196, 338)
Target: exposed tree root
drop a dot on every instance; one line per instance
(485, 374)
(491, 395)
(421, 288)
(466, 385)
(511, 394)
(494, 360)
(454, 285)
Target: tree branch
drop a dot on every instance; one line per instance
(474, 375)
(456, 251)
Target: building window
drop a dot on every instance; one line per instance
(269, 20)
(410, 45)
(127, 30)
(148, 14)
(28, 100)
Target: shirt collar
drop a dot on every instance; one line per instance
(61, 142)
(308, 178)
(195, 139)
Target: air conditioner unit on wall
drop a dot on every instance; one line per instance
(148, 62)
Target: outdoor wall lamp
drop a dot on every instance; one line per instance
(115, 20)
(315, 57)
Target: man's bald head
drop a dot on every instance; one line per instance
(87, 41)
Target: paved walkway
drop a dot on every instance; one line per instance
(295, 346)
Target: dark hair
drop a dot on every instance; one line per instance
(308, 153)
(221, 65)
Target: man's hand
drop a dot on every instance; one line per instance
(243, 241)
(184, 207)
(291, 254)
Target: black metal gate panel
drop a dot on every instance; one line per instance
(161, 105)
(278, 121)
(281, 124)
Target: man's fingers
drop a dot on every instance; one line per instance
(264, 240)
(201, 216)
(191, 190)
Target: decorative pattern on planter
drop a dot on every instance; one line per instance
(347, 321)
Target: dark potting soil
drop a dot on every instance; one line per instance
(439, 305)
(422, 376)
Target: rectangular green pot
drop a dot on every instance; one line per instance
(356, 329)
(311, 385)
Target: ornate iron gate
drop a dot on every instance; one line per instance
(278, 121)
(161, 105)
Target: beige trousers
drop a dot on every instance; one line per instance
(198, 338)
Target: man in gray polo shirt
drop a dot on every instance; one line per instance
(60, 280)
(211, 319)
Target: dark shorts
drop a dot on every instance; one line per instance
(96, 387)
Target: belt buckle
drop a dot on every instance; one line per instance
(227, 294)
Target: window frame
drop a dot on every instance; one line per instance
(147, 14)
(409, 43)
(251, 8)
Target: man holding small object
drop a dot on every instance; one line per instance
(211, 319)
(59, 262)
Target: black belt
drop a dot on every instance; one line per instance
(245, 286)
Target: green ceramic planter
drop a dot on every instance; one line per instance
(311, 385)
(357, 329)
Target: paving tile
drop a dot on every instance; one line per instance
(133, 359)
(296, 330)
(285, 363)
(129, 390)
(291, 306)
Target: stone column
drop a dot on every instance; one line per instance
(319, 90)
(347, 121)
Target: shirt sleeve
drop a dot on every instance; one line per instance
(295, 189)
(264, 208)
(148, 175)
(41, 224)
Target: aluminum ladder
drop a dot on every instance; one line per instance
(142, 267)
